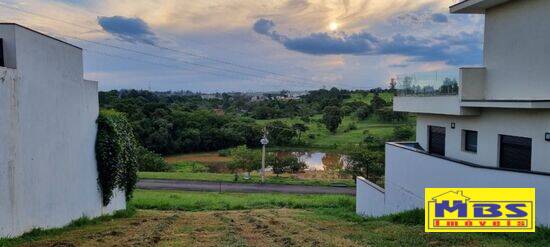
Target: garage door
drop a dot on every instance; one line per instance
(515, 152)
(436, 140)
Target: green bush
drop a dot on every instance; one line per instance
(116, 155)
(351, 126)
(149, 161)
(403, 133)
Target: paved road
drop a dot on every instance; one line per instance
(162, 184)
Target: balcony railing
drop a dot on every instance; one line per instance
(427, 84)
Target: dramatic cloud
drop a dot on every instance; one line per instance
(460, 49)
(439, 18)
(133, 30)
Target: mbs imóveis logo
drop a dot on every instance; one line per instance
(480, 209)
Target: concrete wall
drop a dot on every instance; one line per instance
(369, 198)
(489, 125)
(517, 51)
(49, 163)
(448, 105)
(472, 83)
(409, 172)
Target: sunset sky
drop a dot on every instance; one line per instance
(256, 45)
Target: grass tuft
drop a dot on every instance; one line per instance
(38, 233)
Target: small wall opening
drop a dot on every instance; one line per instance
(2, 53)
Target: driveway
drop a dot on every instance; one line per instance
(165, 184)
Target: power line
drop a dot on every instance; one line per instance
(170, 49)
(159, 64)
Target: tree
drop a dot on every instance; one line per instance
(332, 118)
(244, 159)
(363, 112)
(300, 128)
(346, 110)
(290, 164)
(377, 102)
(365, 163)
(150, 162)
(280, 133)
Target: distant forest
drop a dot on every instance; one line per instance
(170, 123)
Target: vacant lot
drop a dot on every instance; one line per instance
(282, 220)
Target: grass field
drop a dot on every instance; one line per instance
(324, 140)
(267, 220)
(204, 201)
(184, 171)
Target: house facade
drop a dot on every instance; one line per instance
(48, 112)
(492, 131)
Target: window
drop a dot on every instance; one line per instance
(436, 140)
(470, 140)
(515, 152)
(1, 53)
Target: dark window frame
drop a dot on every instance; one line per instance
(2, 62)
(516, 144)
(442, 131)
(465, 145)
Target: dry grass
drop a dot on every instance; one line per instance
(281, 227)
(269, 227)
(206, 158)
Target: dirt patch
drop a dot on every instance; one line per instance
(274, 227)
(206, 158)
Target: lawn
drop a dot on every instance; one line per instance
(184, 171)
(204, 201)
(265, 220)
(344, 136)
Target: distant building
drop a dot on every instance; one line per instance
(48, 112)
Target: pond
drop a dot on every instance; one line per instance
(319, 161)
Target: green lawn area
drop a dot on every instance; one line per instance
(343, 137)
(204, 201)
(184, 171)
(208, 219)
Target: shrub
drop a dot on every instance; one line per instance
(116, 155)
(363, 112)
(373, 142)
(350, 127)
(402, 133)
(311, 136)
(364, 162)
(149, 161)
(289, 164)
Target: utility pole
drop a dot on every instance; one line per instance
(264, 142)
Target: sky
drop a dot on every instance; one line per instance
(257, 45)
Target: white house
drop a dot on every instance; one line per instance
(493, 131)
(48, 173)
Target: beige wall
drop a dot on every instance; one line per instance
(490, 124)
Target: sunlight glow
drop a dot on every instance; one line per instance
(333, 26)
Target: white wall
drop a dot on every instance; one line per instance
(369, 198)
(517, 51)
(50, 166)
(448, 105)
(490, 124)
(409, 172)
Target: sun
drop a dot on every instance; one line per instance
(333, 26)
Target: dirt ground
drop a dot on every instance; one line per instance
(277, 227)
(207, 158)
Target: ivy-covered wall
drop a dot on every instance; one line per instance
(116, 154)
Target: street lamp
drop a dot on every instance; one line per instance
(264, 142)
